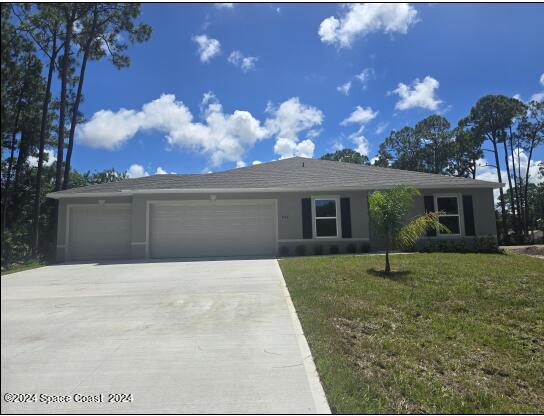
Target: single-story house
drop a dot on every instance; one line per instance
(262, 210)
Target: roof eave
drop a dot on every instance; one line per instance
(127, 192)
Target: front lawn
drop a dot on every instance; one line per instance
(445, 333)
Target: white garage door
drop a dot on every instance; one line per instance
(208, 229)
(99, 232)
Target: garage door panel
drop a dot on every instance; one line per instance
(99, 232)
(212, 229)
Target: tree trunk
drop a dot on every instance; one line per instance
(387, 245)
(499, 177)
(43, 127)
(62, 106)
(526, 185)
(510, 189)
(73, 123)
(516, 186)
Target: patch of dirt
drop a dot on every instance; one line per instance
(535, 250)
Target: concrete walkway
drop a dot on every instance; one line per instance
(179, 337)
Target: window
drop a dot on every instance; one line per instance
(325, 218)
(449, 206)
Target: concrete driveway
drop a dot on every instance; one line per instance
(179, 337)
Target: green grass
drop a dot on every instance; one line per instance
(21, 267)
(445, 333)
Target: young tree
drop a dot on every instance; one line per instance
(389, 210)
(348, 156)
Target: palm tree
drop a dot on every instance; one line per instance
(388, 210)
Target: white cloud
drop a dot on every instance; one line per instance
(539, 96)
(224, 137)
(286, 148)
(287, 121)
(365, 76)
(360, 115)
(245, 63)
(381, 128)
(344, 88)
(240, 164)
(207, 47)
(361, 144)
(48, 160)
(136, 171)
(160, 171)
(224, 5)
(256, 162)
(419, 94)
(359, 20)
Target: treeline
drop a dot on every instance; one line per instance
(502, 129)
(46, 53)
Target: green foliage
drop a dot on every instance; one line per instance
(300, 250)
(284, 251)
(388, 211)
(486, 244)
(348, 156)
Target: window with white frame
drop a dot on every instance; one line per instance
(325, 211)
(448, 206)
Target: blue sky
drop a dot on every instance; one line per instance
(266, 83)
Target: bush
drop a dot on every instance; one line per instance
(318, 250)
(300, 250)
(365, 247)
(284, 251)
(351, 248)
(334, 249)
(486, 244)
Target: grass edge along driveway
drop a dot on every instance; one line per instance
(445, 333)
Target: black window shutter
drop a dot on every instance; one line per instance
(306, 218)
(468, 213)
(345, 212)
(428, 201)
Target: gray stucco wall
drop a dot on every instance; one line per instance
(289, 215)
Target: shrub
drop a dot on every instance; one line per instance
(300, 250)
(486, 244)
(334, 249)
(318, 250)
(365, 247)
(351, 248)
(284, 251)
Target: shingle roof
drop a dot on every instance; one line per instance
(292, 174)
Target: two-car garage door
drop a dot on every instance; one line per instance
(212, 228)
(174, 229)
